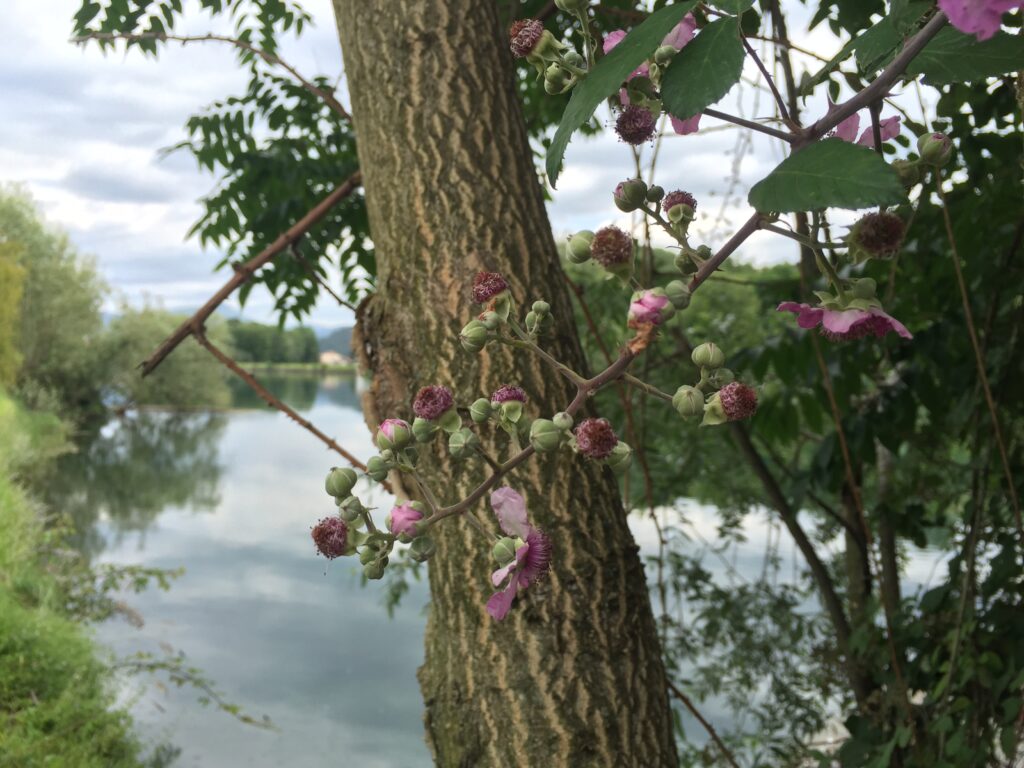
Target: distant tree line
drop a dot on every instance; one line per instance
(255, 342)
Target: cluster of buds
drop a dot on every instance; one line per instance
(561, 67)
(717, 397)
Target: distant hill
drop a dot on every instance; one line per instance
(338, 340)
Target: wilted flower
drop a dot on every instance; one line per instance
(981, 18)
(523, 36)
(508, 392)
(679, 197)
(532, 552)
(732, 402)
(846, 324)
(612, 248)
(595, 438)
(877, 235)
(330, 536)
(487, 285)
(432, 401)
(636, 125)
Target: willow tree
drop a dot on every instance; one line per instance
(575, 675)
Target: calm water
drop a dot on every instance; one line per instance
(231, 498)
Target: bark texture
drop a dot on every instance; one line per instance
(574, 676)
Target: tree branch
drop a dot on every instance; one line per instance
(707, 726)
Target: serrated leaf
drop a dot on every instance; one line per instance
(828, 174)
(608, 75)
(953, 57)
(704, 71)
(876, 44)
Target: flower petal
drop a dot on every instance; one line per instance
(612, 39)
(500, 602)
(510, 509)
(841, 321)
(681, 33)
(888, 128)
(847, 129)
(807, 316)
(894, 324)
(685, 127)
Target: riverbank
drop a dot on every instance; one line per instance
(56, 699)
(304, 368)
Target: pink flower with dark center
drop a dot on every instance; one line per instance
(847, 129)
(611, 247)
(388, 427)
(636, 125)
(432, 401)
(508, 392)
(403, 519)
(330, 536)
(679, 197)
(845, 324)
(487, 285)
(595, 438)
(533, 552)
(648, 308)
(981, 18)
(523, 36)
(738, 401)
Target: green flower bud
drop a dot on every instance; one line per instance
(655, 193)
(721, 377)
(621, 457)
(450, 421)
(664, 55)
(704, 252)
(708, 355)
(556, 80)
(864, 288)
(532, 321)
(545, 436)
(511, 411)
(573, 59)
(684, 263)
(935, 149)
(422, 549)
(340, 482)
(367, 555)
(481, 410)
(376, 468)
(678, 293)
(541, 307)
(424, 429)
(375, 570)
(474, 336)
(562, 420)
(630, 195)
(461, 444)
(908, 171)
(351, 509)
(680, 213)
(490, 319)
(688, 401)
(393, 435)
(578, 250)
(505, 550)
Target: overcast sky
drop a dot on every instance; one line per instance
(82, 130)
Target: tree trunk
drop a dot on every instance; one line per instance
(574, 675)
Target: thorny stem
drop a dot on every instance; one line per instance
(773, 132)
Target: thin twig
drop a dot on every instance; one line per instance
(774, 132)
(703, 721)
(783, 112)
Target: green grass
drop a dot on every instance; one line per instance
(55, 695)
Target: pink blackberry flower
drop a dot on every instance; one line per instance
(432, 401)
(981, 18)
(532, 556)
(636, 125)
(487, 285)
(679, 197)
(611, 247)
(595, 438)
(508, 392)
(403, 519)
(847, 129)
(652, 307)
(845, 324)
(523, 37)
(330, 536)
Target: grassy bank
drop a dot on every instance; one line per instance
(55, 696)
(301, 367)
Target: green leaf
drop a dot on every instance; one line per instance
(733, 6)
(829, 174)
(704, 71)
(608, 75)
(876, 44)
(953, 57)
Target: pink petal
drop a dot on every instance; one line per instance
(840, 321)
(500, 602)
(510, 508)
(685, 127)
(894, 324)
(612, 39)
(807, 316)
(682, 33)
(981, 18)
(888, 128)
(498, 577)
(847, 129)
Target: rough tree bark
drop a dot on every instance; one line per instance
(574, 676)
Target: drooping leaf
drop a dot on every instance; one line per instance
(829, 174)
(953, 57)
(608, 75)
(704, 71)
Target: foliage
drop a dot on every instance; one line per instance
(12, 278)
(272, 344)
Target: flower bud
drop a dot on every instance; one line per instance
(578, 249)
(562, 420)
(664, 55)
(532, 321)
(721, 377)
(935, 149)
(541, 307)
(678, 293)
(402, 520)
(351, 509)
(708, 355)
(375, 569)
(684, 263)
(732, 402)
(505, 550)
(481, 410)
(655, 193)
(424, 429)
(864, 288)
(462, 444)
(422, 549)
(490, 319)
(474, 336)
(908, 171)
(649, 307)
(621, 457)
(340, 482)
(630, 195)
(556, 80)
(573, 59)
(688, 401)
(376, 468)
(367, 555)
(545, 436)
(393, 434)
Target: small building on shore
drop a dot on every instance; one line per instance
(330, 357)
